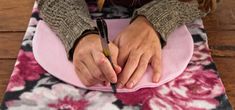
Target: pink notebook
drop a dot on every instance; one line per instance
(50, 54)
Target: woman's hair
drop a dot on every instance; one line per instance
(204, 5)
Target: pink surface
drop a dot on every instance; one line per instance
(50, 54)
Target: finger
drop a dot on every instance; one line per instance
(117, 69)
(114, 56)
(114, 52)
(123, 56)
(156, 66)
(84, 75)
(139, 72)
(93, 68)
(108, 70)
(116, 40)
(105, 66)
(129, 68)
(82, 78)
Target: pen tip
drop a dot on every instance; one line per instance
(114, 88)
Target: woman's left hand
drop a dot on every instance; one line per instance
(138, 45)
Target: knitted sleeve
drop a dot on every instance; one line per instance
(166, 15)
(69, 19)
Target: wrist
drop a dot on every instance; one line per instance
(141, 20)
(79, 40)
(145, 24)
(88, 40)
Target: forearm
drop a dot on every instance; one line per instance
(69, 19)
(166, 15)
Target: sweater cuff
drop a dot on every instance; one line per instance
(68, 19)
(166, 15)
(86, 32)
(74, 28)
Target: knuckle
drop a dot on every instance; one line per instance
(104, 63)
(102, 60)
(111, 76)
(134, 54)
(132, 58)
(150, 51)
(157, 62)
(144, 61)
(123, 47)
(142, 65)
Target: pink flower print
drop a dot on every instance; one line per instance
(26, 69)
(69, 104)
(194, 90)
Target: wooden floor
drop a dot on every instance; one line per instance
(14, 17)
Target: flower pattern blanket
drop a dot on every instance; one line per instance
(199, 87)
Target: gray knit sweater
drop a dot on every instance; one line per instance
(69, 19)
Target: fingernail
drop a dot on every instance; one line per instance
(119, 85)
(130, 85)
(113, 80)
(156, 79)
(118, 69)
(102, 61)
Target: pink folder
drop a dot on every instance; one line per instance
(50, 54)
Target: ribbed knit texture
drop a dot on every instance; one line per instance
(166, 15)
(68, 18)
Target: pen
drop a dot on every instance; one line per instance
(103, 31)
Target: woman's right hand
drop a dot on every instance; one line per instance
(91, 65)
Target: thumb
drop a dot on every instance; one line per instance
(156, 66)
(114, 55)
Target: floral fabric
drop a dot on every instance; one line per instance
(198, 88)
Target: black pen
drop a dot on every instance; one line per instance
(103, 31)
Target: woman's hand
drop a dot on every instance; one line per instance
(138, 45)
(91, 65)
